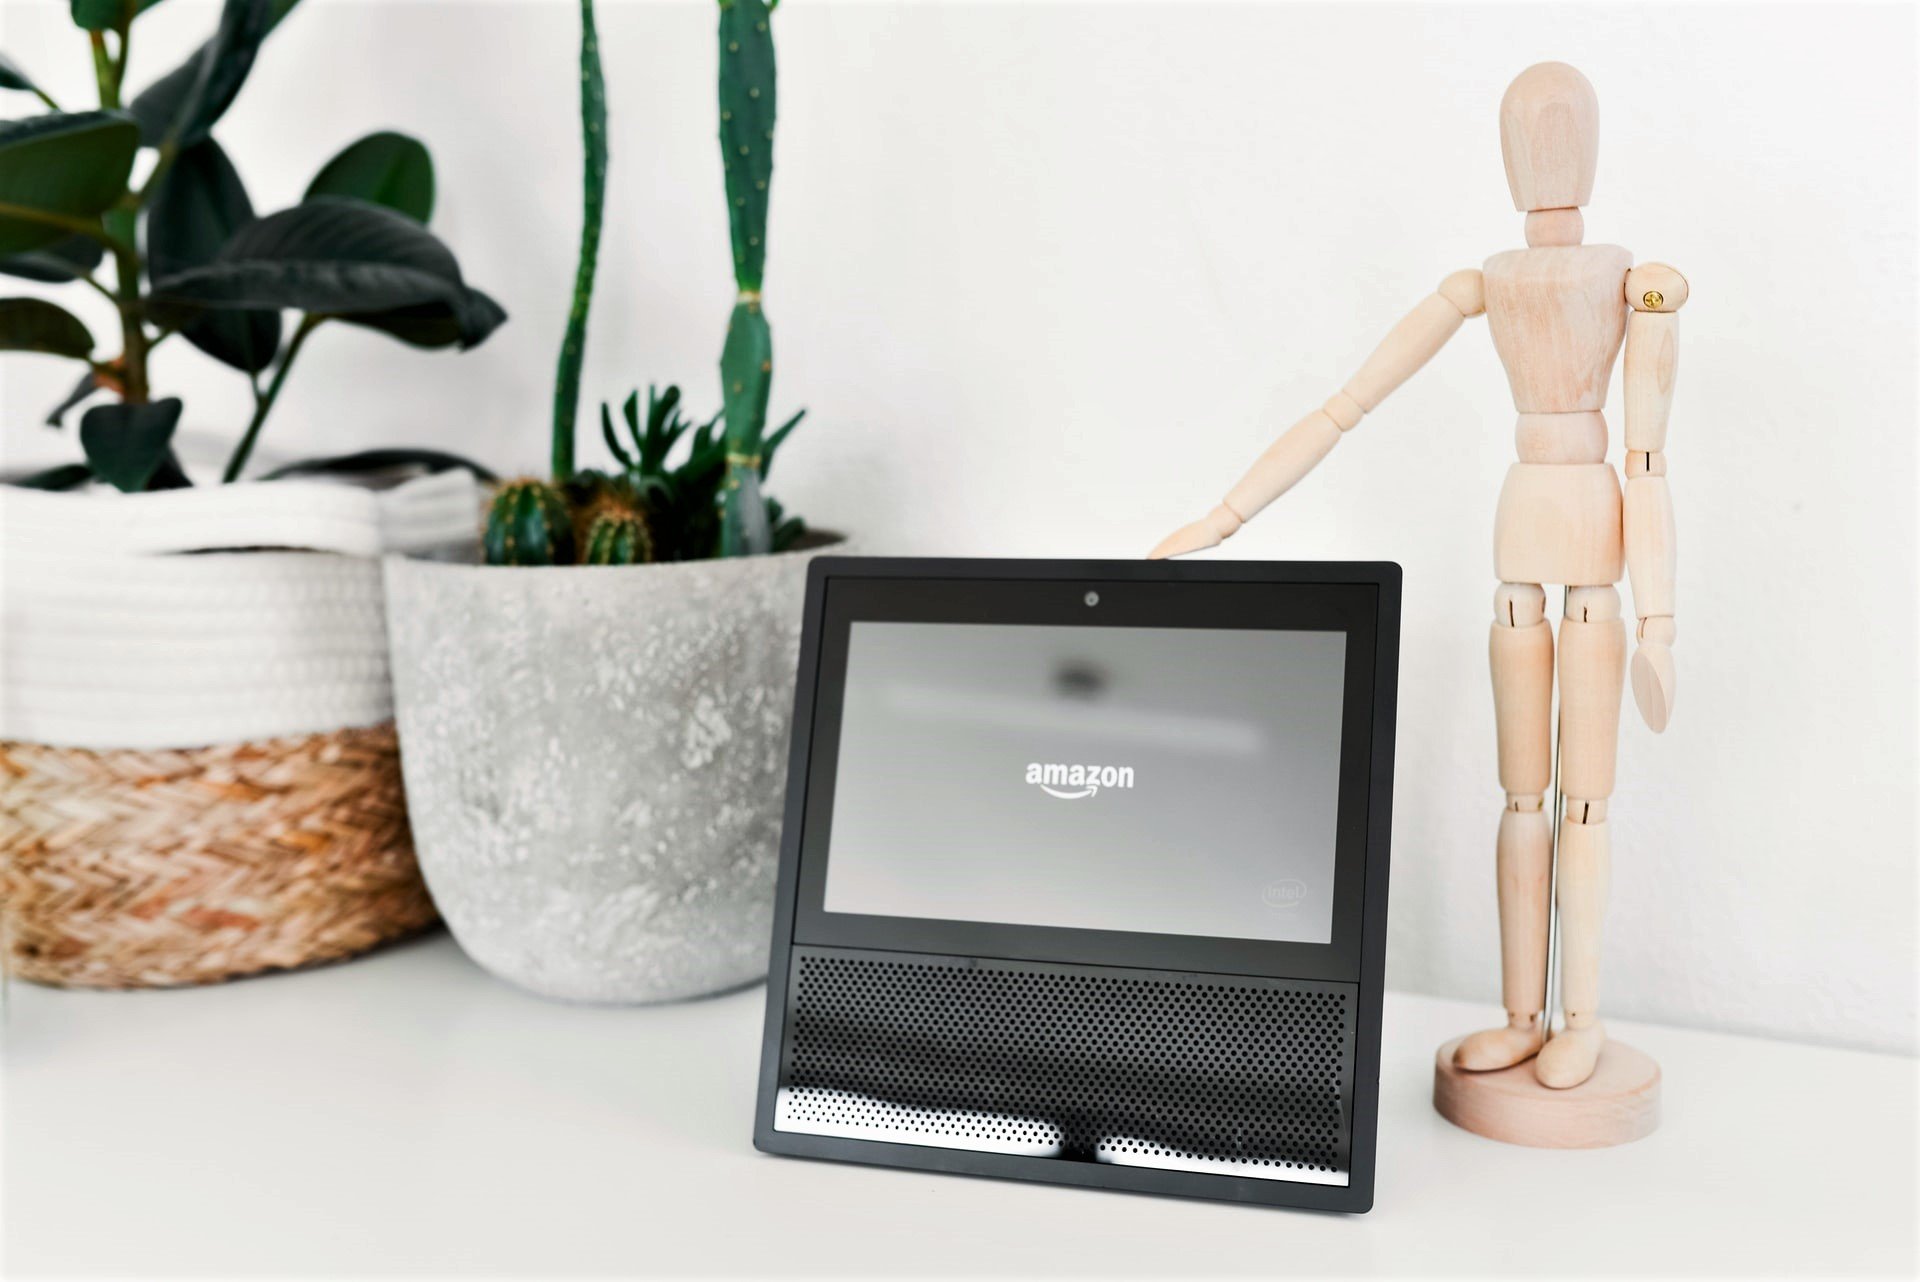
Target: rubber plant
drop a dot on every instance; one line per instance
(191, 263)
(710, 502)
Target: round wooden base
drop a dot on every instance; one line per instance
(1620, 1103)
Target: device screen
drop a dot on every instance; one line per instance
(1160, 780)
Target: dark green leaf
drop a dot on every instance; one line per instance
(332, 255)
(380, 461)
(383, 169)
(60, 166)
(772, 444)
(198, 206)
(126, 444)
(169, 475)
(463, 323)
(613, 442)
(66, 476)
(64, 260)
(709, 449)
(335, 256)
(787, 530)
(645, 443)
(97, 15)
(36, 325)
(12, 76)
(192, 97)
(665, 427)
(105, 15)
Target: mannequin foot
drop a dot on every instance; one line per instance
(1569, 1058)
(1496, 1048)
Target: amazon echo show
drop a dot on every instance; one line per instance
(1083, 874)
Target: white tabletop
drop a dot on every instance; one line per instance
(406, 1113)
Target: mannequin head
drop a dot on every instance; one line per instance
(1550, 137)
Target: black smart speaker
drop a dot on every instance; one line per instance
(1084, 874)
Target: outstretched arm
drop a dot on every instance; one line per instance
(1655, 292)
(1411, 344)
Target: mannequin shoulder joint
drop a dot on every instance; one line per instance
(1656, 287)
(1466, 290)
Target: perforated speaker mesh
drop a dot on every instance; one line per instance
(1227, 1075)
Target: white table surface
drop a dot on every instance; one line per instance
(406, 1113)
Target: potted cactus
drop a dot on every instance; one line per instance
(594, 721)
(198, 775)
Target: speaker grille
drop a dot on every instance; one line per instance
(1225, 1075)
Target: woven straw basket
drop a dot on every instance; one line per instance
(130, 868)
(137, 627)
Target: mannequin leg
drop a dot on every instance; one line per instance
(1593, 653)
(1520, 650)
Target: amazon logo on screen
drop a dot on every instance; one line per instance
(1076, 783)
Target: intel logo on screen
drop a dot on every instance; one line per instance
(1288, 892)
(1074, 783)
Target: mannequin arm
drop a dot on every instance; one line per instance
(1411, 344)
(1655, 292)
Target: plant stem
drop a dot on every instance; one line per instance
(93, 283)
(308, 323)
(45, 97)
(133, 333)
(163, 160)
(124, 30)
(103, 71)
(125, 295)
(593, 129)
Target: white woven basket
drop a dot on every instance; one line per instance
(210, 615)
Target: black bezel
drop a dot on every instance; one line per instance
(1360, 599)
(1330, 607)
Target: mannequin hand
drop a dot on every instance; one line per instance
(1653, 683)
(1207, 532)
(1188, 538)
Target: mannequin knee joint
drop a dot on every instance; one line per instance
(1593, 605)
(1519, 605)
(1585, 810)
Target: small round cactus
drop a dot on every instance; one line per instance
(617, 538)
(528, 524)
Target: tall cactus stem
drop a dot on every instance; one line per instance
(746, 131)
(746, 374)
(593, 128)
(747, 112)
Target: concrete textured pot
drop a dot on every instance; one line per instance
(595, 761)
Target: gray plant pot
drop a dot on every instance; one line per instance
(595, 761)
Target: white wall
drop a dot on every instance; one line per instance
(1049, 276)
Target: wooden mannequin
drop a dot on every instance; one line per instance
(1558, 311)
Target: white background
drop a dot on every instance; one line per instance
(1049, 276)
